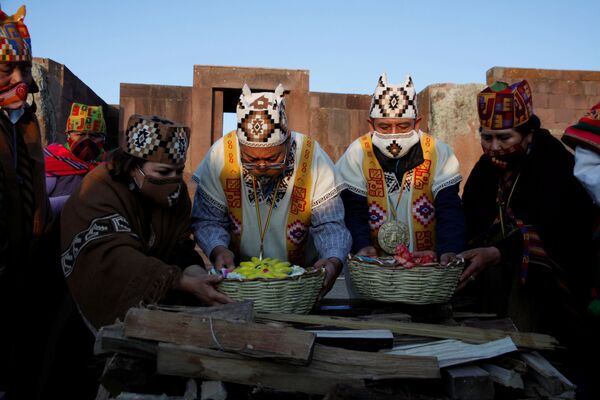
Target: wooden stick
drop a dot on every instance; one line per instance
(467, 334)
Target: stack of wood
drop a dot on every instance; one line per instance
(219, 344)
(476, 363)
(284, 353)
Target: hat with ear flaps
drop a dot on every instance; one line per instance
(157, 139)
(504, 106)
(394, 101)
(261, 119)
(84, 118)
(15, 42)
(586, 132)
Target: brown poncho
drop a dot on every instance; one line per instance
(114, 246)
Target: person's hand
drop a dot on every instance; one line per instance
(196, 281)
(222, 258)
(333, 267)
(368, 251)
(447, 258)
(478, 259)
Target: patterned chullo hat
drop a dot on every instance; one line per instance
(394, 101)
(501, 106)
(84, 118)
(261, 119)
(586, 132)
(156, 139)
(15, 42)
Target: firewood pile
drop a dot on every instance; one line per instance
(318, 356)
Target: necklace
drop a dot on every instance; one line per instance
(393, 232)
(263, 231)
(500, 210)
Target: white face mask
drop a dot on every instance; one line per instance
(394, 145)
(587, 171)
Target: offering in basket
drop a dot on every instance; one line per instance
(266, 269)
(404, 278)
(274, 285)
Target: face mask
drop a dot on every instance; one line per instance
(506, 158)
(163, 192)
(394, 145)
(13, 96)
(587, 171)
(85, 149)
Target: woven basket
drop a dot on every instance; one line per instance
(422, 284)
(295, 295)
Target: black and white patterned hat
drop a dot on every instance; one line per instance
(394, 101)
(261, 119)
(156, 139)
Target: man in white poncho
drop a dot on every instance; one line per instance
(264, 190)
(400, 185)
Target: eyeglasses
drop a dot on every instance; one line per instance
(265, 166)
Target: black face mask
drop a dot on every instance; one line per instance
(163, 192)
(506, 158)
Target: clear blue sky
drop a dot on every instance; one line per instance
(344, 44)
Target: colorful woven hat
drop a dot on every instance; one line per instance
(15, 43)
(501, 106)
(586, 132)
(84, 118)
(394, 101)
(261, 119)
(156, 139)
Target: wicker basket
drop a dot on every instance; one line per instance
(295, 295)
(378, 279)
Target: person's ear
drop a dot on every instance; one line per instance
(371, 123)
(418, 124)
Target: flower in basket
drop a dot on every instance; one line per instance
(406, 259)
(266, 268)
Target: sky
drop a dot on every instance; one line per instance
(344, 44)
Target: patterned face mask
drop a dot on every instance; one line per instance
(85, 149)
(163, 192)
(506, 158)
(14, 96)
(394, 145)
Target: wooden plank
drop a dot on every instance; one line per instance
(504, 324)
(547, 375)
(356, 339)
(330, 366)
(463, 314)
(468, 382)
(467, 334)
(401, 317)
(238, 311)
(454, 352)
(248, 338)
(511, 363)
(111, 339)
(505, 377)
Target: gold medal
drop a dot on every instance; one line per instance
(391, 234)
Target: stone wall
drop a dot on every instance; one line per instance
(338, 119)
(171, 102)
(59, 87)
(449, 112)
(560, 97)
(216, 90)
